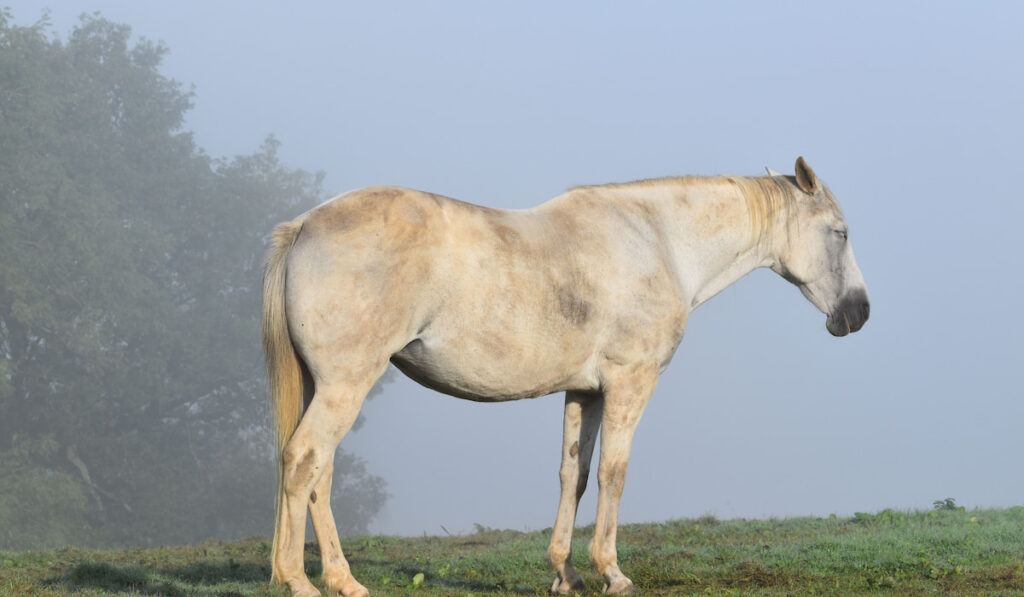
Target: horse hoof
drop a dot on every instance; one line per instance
(349, 588)
(354, 589)
(563, 587)
(623, 586)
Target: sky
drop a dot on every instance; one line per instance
(909, 111)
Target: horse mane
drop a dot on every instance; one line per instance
(766, 196)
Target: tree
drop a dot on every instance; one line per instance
(131, 386)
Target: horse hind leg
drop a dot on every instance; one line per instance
(336, 572)
(582, 420)
(307, 468)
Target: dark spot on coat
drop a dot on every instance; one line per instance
(303, 472)
(573, 308)
(575, 449)
(508, 236)
(312, 496)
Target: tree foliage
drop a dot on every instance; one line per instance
(131, 385)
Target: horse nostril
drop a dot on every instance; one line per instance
(865, 309)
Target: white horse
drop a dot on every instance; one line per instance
(588, 293)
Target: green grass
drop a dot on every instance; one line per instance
(940, 552)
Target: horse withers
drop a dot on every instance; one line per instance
(588, 293)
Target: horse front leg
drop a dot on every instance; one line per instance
(626, 393)
(582, 420)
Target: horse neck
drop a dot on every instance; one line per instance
(723, 228)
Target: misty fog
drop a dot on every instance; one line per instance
(146, 153)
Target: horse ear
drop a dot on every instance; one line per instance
(805, 177)
(771, 172)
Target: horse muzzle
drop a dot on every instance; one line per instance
(851, 314)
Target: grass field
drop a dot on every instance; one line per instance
(947, 551)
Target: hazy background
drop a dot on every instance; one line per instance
(911, 112)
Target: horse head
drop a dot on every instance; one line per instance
(817, 256)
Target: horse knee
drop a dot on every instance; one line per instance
(574, 474)
(557, 556)
(612, 477)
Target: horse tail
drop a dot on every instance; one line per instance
(284, 372)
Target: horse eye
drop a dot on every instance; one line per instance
(844, 234)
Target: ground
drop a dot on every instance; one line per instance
(946, 551)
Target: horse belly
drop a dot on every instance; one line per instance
(488, 368)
